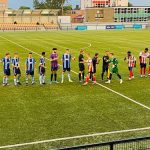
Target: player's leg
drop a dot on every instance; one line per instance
(116, 71)
(51, 79)
(94, 78)
(62, 77)
(27, 77)
(130, 73)
(15, 79)
(69, 75)
(141, 69)
(4, 79)
(81, 72)
(144, 70)
(32, 77)
(7, 76)
(108, 72)
(103, 71)
(18, 76)
(87, 79)
(80, 76)
(110, 76)
(55, 76)
(40, 75)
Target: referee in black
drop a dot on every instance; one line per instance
(105, 66)
(81, 66)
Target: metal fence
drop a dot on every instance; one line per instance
(129, 144)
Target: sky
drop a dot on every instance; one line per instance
(15, 4)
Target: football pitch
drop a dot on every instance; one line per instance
(37, 113)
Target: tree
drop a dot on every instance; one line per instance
(24, 7)
(130, 4)
(48, 4)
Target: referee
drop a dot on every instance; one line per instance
(105, 67)
(81, 66)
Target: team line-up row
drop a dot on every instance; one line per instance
(110, 66)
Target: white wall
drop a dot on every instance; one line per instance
(86, 3)
(64, 19)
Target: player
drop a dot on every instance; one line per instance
(105, 66)
(131, 60)
(92, 68)
(6, 64)
(54, 65)
(142, 58)
(42, 69)
(114, 68)
(66, 59)
(81, 66)
(16, 69)
(30, 68)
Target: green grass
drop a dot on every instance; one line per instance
(53, 111)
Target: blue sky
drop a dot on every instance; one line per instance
(17, 3)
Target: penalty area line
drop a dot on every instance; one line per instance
(74, 137)
(109, 89)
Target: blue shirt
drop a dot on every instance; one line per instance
(6, 63)
(42, 61)
(66, 60)
(15, 62)
(30, 62)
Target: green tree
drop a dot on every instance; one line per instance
(24, 7)
(130, 4)
(48, 4)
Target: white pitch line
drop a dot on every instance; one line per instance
(74, 137)
(132, 100)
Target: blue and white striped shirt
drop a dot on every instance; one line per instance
(6, 63)
(66, 60)
(15, 62)
(30, 62)
(42, 61)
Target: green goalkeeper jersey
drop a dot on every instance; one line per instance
(114, 65)
(114, 62)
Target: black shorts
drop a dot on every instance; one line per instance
(30, 72)
(130, 68)
(142, 65)
(7, 72)
(41, 70)
(54, 68)
(16, 71)
(66, 69)
(81, 67)
(105, 69)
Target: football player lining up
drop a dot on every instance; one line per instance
(105, 66)
(81, 66)
(131, 60)
(114, 68)
(6, 66)
(16, 69)
(30, 68)
(42, 69)
(66, 60)
(142, 58)
(54, 65)
(92, 68)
